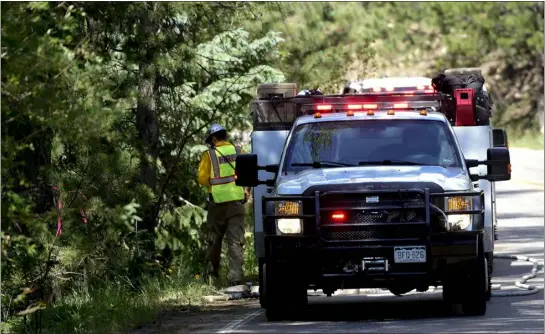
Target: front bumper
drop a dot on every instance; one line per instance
(322, 260)
(446, 253)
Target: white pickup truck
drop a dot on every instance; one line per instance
(381, 189)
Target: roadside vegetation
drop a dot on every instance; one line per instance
(105, 107)
(532, 140)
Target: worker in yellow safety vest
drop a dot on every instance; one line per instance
(225, 203)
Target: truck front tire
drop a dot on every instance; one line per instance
(474, 303)
(472, 288)
(260, 262)
(281, 297)
(490, 263)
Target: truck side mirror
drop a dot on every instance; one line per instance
(498, 164)
(499, 138)
(246, 169)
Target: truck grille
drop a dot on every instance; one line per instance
(380, 216)
(385, 199)
(394, 216)
(373, 233)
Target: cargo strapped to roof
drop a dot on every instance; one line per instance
(281, 113)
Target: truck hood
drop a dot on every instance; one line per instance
(450, 179)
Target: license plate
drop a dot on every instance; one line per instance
(411, 254)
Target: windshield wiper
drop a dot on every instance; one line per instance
(390, 162)
(321, 164)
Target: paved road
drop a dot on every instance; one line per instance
(521, 230)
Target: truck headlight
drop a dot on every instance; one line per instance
(289, 225)
(459, 222)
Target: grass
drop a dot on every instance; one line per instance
(528, 140)
(114, 309)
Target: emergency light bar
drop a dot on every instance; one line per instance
(368, 101)
(310, 108)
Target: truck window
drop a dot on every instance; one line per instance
(372, 142)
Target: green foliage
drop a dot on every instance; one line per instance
(105, 108)
(504, 39)
(322, 45)
(75, 80)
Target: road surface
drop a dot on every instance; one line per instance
(521, 232)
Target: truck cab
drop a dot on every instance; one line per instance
(369, 190)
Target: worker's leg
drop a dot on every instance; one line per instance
(216, 225)
(235, 242)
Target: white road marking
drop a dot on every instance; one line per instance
(233, 325)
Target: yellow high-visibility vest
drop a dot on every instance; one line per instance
(222, 174)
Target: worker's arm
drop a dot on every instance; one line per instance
(203, 176)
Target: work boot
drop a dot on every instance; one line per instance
(237, 290)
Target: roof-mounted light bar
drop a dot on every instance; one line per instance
(310, 109)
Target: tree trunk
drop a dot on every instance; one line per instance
(147, 125)
(146, 112)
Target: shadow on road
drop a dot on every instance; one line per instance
(357, 313)
(518, 215)
(522, 235)
(376, 309)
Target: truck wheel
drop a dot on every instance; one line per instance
(260, 262)
(475, 296)
(399, 290)
(490, 265)
(280, 296)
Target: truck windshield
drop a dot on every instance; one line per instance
(371, 143)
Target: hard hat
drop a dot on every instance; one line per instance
(214, 128)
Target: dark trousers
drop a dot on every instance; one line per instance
(226, 218)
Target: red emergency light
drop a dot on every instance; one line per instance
(401, 105)
(362, 106)
(354, 106)
(338, 216)
(323, 107)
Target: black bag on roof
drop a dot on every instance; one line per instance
(447, 83)
(476, 82)
(481, 98)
